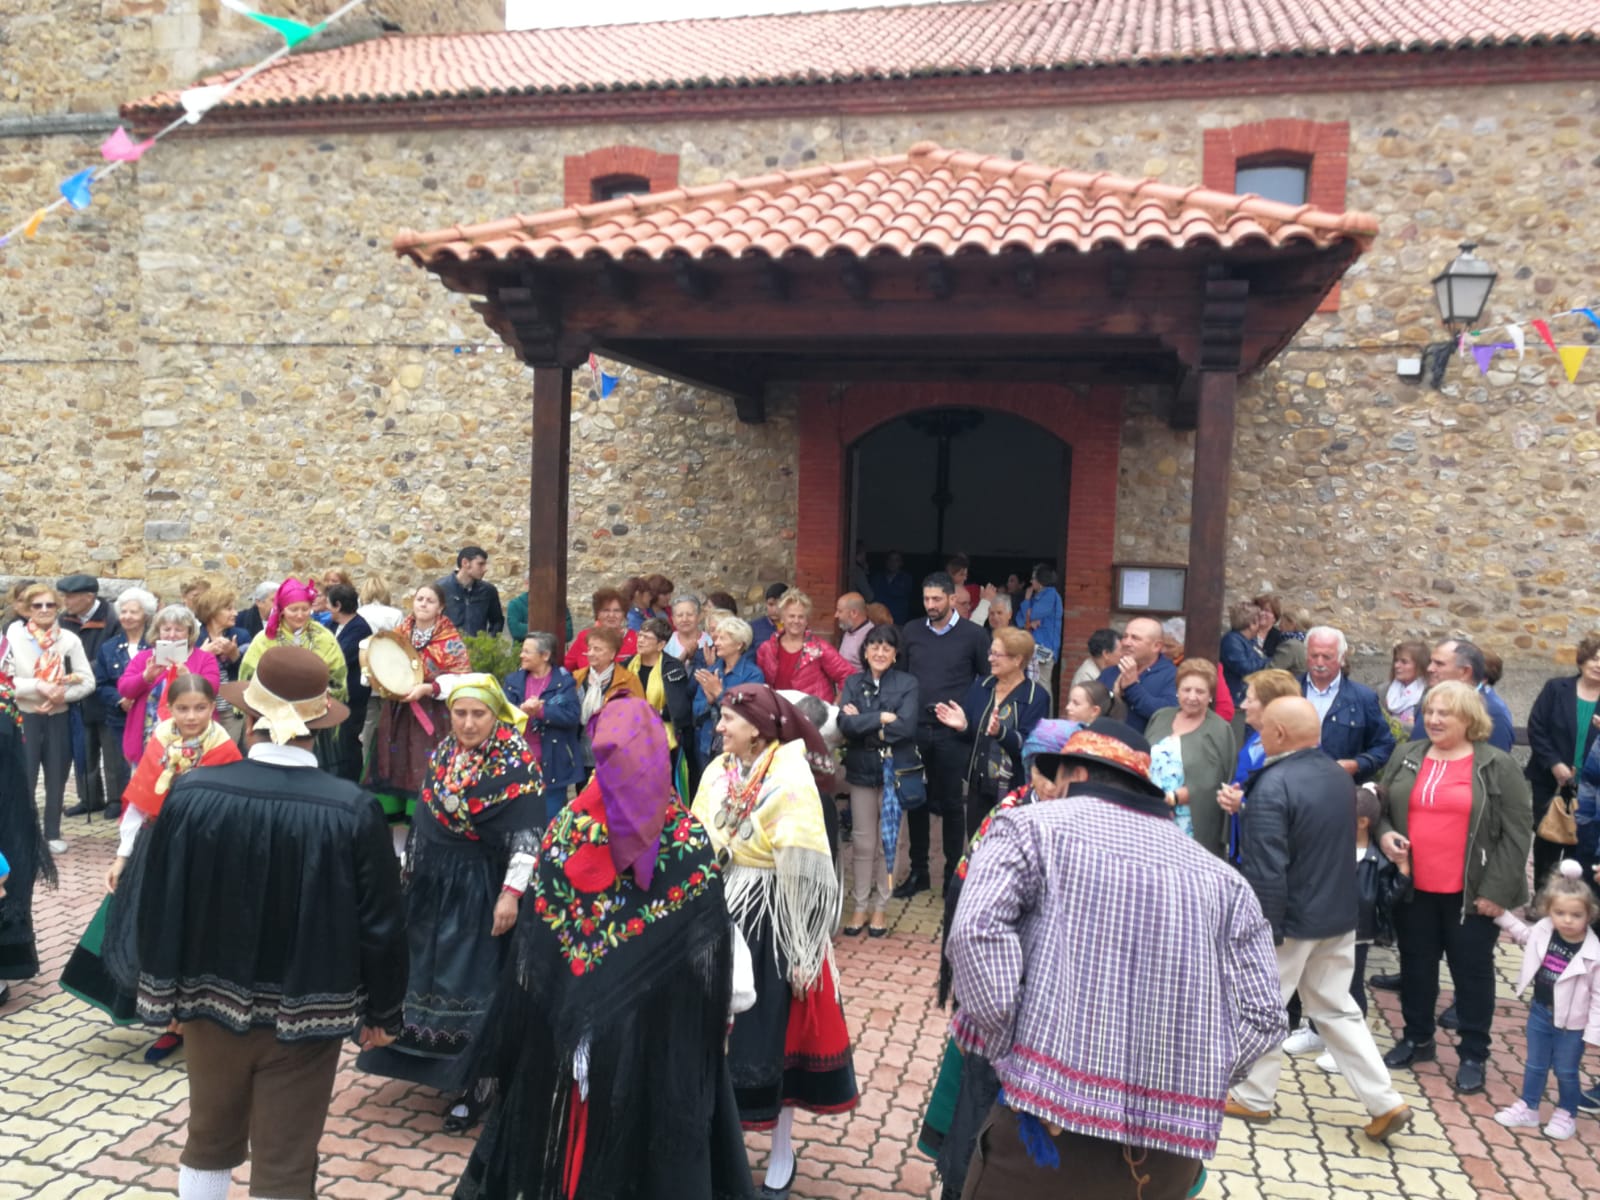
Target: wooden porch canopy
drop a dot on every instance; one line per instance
(931, 265)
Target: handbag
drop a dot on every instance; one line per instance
(911, 783)
(1560, 821)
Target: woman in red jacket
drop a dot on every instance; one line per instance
(796, 659)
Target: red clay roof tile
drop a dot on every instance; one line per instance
(884, 43)
(928, 201)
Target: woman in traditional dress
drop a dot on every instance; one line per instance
(761, 803)
(398, 763)
(23, 843)
(291, 623)
(467, 865)
(50, 672)
(190, 737)
(606, 1039)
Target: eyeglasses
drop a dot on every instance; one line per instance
(43, 606)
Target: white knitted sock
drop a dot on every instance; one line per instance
(203, 1185)
(781, 1165)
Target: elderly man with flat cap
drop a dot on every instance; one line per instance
(1118, 976)
(270, 922)
(92, 620)
(1298, 850)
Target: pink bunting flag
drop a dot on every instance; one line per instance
(1485, 354)
(1543, 331)
(119, 147)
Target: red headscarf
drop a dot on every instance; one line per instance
(778, 720)
(290, 591)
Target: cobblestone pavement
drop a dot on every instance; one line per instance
(81, 1115)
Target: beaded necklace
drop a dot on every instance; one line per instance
(743, 793)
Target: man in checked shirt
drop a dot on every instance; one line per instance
(1119, 978)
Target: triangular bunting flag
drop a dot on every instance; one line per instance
(293, 32)
(32, 227)
(1543, 331)
(1518, 339)
(1589, 312)
(608, 384)
(76, 188)
(1485, 354)
(1572, 360)
(119, 147)
(198, 101)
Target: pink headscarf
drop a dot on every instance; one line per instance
(290, 591)
(634, 771)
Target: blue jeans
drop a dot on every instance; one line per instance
(1547, 1047)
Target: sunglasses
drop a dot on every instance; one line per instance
(43, 606)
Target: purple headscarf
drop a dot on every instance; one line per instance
(633, 769)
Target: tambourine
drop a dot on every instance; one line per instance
(394, 669)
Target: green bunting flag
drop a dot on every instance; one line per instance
(292, 32)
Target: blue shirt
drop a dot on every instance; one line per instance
(1044, 608)
(1322, 701)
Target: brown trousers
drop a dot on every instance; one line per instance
(253, 1094)
(1091, 1168)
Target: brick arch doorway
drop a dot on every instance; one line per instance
(988, 484)
(1087, 422)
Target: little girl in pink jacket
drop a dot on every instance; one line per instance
(1561, 959)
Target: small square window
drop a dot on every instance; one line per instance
(1283, 182)
(614, 187)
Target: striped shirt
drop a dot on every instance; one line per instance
(1118, 976)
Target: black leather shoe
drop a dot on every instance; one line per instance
(1449, 1020)
(1386, 983)
(914, 883)
(1469, 1078)
(80, 810)
(1407, 1053)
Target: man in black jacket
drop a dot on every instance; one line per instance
(1298, 847)
(946, 653)
(270, 923)
(92, 620)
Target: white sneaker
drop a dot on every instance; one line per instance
(1304, 1040)
(1325, 1061)
(1518, 1116)
(57, 846)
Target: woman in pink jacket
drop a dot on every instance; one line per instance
(144, 683)
(795, 659)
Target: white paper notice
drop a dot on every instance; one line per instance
(1136, 589)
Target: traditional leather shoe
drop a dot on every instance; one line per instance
(1234, 1109)
(915, 882)
(1386, 983)
(1469, 1076)
(1449, 1020)
(1382, 1128)
(1407, 1053)
(768, 1192)
(79, 810)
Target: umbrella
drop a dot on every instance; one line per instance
(889, 813)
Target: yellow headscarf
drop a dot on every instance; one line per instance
(486, 690)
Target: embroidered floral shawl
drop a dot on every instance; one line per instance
(466, 790)
(444, 653)
(169, 754)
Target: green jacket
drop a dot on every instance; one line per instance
(1500, 830)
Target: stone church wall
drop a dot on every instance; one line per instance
(240, 377)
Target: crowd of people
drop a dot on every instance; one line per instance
(592, 902)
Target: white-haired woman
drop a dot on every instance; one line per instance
(734, 664)
(144, 683)
(50, 672)
(688, 644)
(136, 614)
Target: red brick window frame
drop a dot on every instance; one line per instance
(1323, 147)
(587, 174)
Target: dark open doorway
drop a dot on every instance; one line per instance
(986, 484)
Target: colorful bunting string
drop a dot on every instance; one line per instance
(120, 148)
(1483, 352)
(607, 383)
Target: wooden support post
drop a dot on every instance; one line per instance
(547, 500)
(1208, 515)
(1221, 344)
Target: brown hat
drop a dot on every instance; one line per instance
(288, 695)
